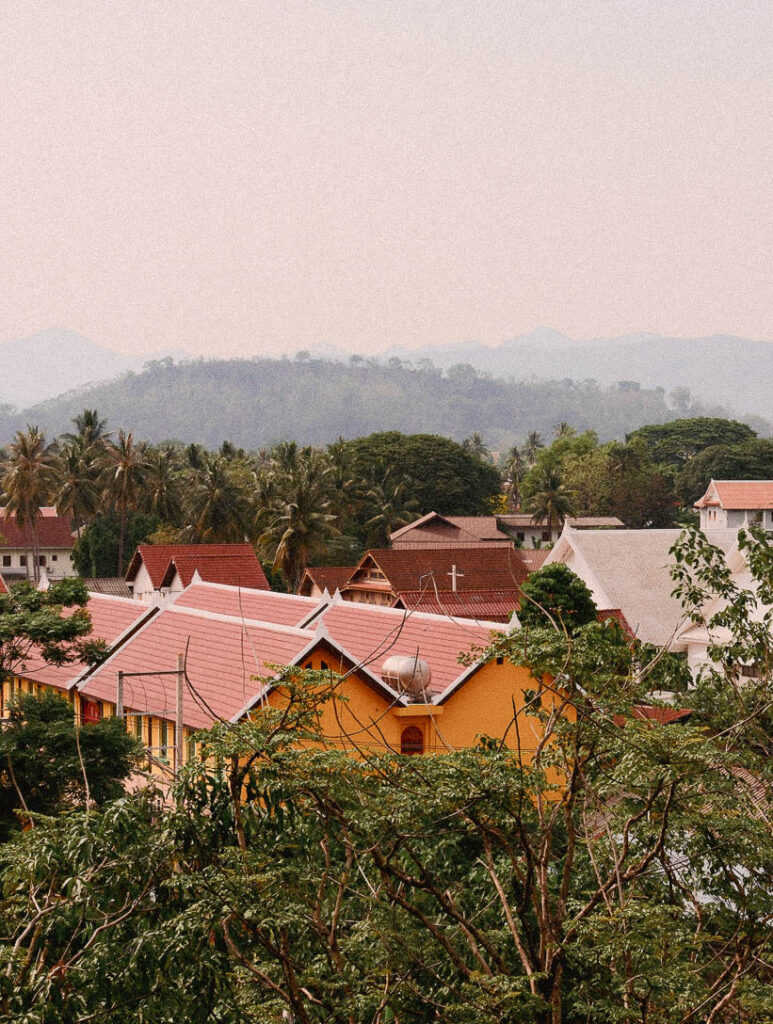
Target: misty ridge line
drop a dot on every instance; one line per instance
(259, 401)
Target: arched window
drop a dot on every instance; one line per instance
(91, 712)
(412, 740)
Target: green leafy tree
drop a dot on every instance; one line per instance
(46, 768)
(674, 444)
(218, 502)
(550, 500)
(750, 460)
(554, 595)
(95, 553)
(447, 479)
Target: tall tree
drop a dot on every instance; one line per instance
(123, 466)
(218, 503)
(27, 484)
(550, 500)
(532, 445)
(299, 522)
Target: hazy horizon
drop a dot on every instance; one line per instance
(257, 178)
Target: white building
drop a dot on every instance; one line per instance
(731, 504)
(54, 543)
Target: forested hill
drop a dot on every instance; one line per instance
(313, 401)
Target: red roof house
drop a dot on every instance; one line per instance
(169, 568)
(731, 504)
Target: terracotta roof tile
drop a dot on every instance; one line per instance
(372, 634)
(331, 577)
(497, 605)
(236, 564)
(224, 657)
(255, 605)
(739, 494)
(477, 568)
(52, 531)
(111, 617)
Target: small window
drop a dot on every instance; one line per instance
(190, 749)
(546, 534)
(6, 561)
(412, 740)
(324, 666)
(22, 560)
(54, 558)
(41, 559)
(138, 726)
(520, 535)
(91, 712)
(500, 660)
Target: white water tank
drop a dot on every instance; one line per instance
(407, 673)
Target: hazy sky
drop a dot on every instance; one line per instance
(246, 177)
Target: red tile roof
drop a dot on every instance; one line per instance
(739, 494)
(371, 635)
(661, 716)
(52, 531)
(492, 605)
(332, 577)
(604, 614)
(477, 568)
(434, 530)
(533, 558)
(236, 564)
(224, 657)
(111, 617)
(256, 605)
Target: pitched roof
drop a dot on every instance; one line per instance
(434, 530)
(326, 577)
(111, 618)
(429, 568)
(372, 634)
(114, 585)
(533, 558)
(51, 530)
(738, 494)
(256, 605)
(224, 654)
(491, 605)
(629, 570)
(236, 564)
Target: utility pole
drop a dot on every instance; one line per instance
(178, 714)
(119, 697)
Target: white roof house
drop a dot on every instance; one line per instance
(629, 570)
(731, 504)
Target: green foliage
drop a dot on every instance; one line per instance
(446, 478)
(31, 622)
(44, 767)
(95, 553)
(261, 401)
(750, 460)
(675, 443)
(555, 594)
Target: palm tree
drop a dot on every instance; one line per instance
(533, 444)
(562, 429)
(90, 430)
(219, 501)
(299, 523)
(550, 501)
(162, 489)
(123, 466)
(76, 493)
(513, 471)
(393, 506)
(26, 484)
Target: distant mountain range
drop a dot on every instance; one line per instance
(256, 402)
(51, 362)
(734, 372)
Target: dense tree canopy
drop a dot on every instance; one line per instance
(446, 478)
(675, 443)
(556, 595)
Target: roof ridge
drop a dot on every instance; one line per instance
(237, 620)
